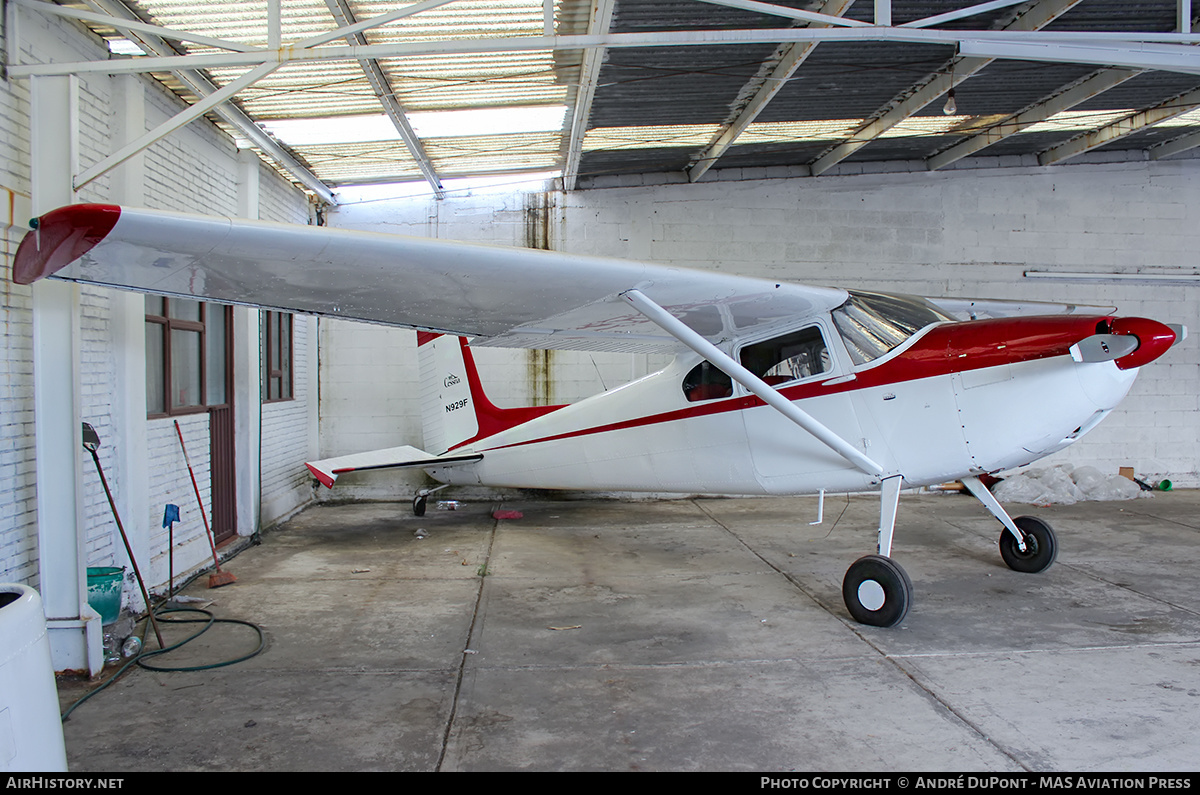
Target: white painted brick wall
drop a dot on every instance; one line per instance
(367, 404)
(193, 170)
(285, 437)
(960, 233)
(170, 483)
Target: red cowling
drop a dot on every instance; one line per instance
(1154, 339)
(61, 237)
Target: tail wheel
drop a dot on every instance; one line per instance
(1041, 546)
(419, 505)
(877, 591)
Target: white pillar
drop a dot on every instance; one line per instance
(247, 389)
(130, 442)
(73, 627)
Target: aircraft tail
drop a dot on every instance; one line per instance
(455, 410)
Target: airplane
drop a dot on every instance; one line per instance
(775, 388)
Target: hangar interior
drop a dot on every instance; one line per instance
(1039, 150)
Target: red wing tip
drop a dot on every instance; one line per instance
(60, 237)
(325, 478)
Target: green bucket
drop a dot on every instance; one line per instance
(104, 591)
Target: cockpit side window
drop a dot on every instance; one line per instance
(799, 354)
(872, 324)
(706, 382)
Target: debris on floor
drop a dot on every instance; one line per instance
(507, 515)
(1064, 484)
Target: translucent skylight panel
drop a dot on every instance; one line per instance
(428, 124)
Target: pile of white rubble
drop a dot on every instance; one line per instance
(1064, 485)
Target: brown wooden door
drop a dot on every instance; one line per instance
(223, 461)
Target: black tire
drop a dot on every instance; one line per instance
(1041, 546)
(877, 591)
(418, 505)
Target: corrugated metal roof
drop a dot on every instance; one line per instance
(656, 108)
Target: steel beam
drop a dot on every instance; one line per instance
(367, 24)
(387, 98)
(1181, 144)
(202, 86)
(934, 86)
(1178, 106)
(790, 13)
(883, 13)
(174, 123)
(134, 26)
(1069, 97)
(274, 25)
(589, 73)
(793, 57)
(1131, 54)
(1187, 58)
(961, 13)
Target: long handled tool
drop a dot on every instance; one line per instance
(170, 517)
(221, 577)
(91, 443)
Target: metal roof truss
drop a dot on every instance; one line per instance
(225, 55)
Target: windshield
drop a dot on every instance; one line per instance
(873, 324)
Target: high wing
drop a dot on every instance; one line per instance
(504, 297)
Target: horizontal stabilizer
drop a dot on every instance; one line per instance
(327, 471)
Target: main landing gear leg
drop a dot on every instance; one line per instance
(419, 499)
(1028, 544)
(877, 591)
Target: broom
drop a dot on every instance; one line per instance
(221, 577)
(91, 443)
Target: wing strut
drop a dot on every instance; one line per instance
(677, 329)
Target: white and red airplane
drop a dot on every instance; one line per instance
(775, 388)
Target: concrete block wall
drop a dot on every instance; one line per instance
(367, 404)
(965, 232)
(289, 432)
(193, 170)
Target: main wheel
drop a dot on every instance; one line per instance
(419, 505)
(1041, 546)
(877, 591)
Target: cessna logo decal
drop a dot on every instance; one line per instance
(451, 380)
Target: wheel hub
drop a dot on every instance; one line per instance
(871, 595)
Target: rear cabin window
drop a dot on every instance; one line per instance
(706, 382)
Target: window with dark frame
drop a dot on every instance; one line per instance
(186, 356)
(277, 372)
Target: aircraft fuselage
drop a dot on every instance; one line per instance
(955, 399)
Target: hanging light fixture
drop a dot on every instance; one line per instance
(951, 107)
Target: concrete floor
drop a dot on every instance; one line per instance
(704, 634)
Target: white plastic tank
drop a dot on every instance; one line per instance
(31, 736)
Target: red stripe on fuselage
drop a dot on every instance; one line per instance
(942, 350)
